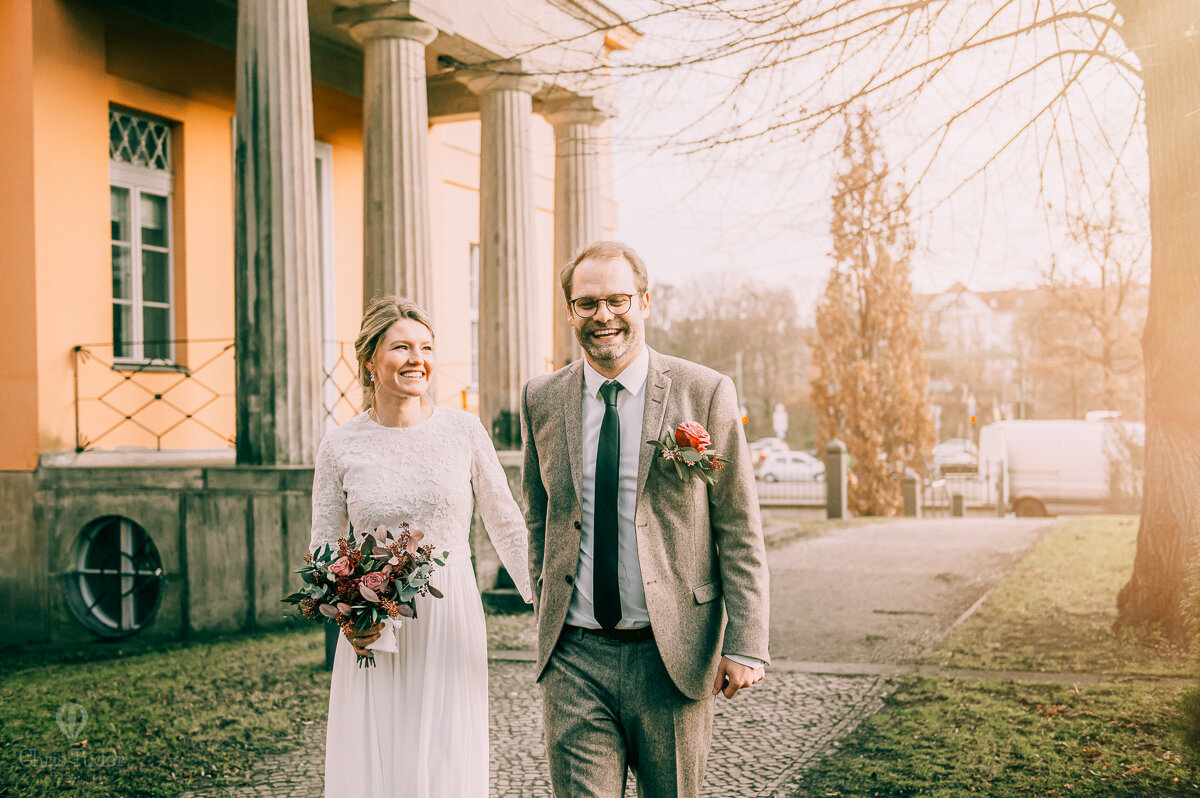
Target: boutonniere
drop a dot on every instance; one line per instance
(689, 451)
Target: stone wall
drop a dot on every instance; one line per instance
(229, 538)
(23, 584)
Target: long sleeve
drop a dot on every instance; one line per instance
(737, 526)
(535, 498)
(329, 516)
(501, 516)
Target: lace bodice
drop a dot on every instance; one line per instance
(427, 475)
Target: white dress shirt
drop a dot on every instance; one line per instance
(631, 408)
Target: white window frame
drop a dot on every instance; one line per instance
(138, 180)
(328, 271)
(90, 612)
(473, 314)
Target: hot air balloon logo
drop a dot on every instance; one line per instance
(71, 720)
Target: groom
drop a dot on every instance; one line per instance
(635, 570)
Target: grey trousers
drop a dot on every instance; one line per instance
(611, 705)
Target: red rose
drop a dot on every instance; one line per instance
(370, 585)
(373, 580)
(692, 434)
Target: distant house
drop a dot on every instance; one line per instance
(1031, 353)
(976, 355)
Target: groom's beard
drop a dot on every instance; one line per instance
(610, 350)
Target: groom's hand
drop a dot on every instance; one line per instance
(732, 677)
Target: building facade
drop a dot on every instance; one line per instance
(177, 349)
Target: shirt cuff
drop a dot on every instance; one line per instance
(749, 662)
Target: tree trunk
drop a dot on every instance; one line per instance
(1163, 34)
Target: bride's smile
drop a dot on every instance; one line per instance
(404, 362)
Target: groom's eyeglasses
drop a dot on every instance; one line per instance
(586, 306)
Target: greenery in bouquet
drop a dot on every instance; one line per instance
(365, 579)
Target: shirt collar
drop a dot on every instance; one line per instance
(632, 378)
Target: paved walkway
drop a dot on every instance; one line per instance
(762, 740)
(876, 598)
(887, 592)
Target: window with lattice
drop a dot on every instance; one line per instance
(140, 188)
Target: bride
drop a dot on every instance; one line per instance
(415, 725)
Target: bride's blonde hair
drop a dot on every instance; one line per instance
(378, 318)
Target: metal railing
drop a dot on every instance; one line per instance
(152, 403)
(190, 402)
(791, 493)
(937, 495)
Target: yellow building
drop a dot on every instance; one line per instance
(200, 194)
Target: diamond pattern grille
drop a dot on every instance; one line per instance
(149, 406)
(138, 140)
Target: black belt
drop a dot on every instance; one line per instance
(620, 635)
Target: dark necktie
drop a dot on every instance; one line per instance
(606, 592)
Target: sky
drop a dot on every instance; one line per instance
(763, 209)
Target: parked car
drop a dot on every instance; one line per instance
(763, 448)
(791, 467)
(956, 456)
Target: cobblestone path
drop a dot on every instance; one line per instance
(763, 740)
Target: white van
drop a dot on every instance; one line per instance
(1044, 467)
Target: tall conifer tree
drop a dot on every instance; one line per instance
(872, 372)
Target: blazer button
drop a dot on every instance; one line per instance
(570, 579)
(578, 525)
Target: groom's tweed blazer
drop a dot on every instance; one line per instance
(696, 544)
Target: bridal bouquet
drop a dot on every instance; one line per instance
(366, 580)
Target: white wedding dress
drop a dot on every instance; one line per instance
(416, 724)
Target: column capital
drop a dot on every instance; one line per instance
(574, 109)
(389, 20)
(503, 78)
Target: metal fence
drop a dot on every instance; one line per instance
(121, 404)
(937, 495)
(154, 404)
(791, 493)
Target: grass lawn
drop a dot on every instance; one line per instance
(1056, 610)
(159, 720)
(954, 737)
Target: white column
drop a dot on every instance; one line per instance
(508, 281)
(396, 229)
(578, 199)
(275, 276)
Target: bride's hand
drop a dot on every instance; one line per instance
(361, 639)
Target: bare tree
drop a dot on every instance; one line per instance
(1082, 336)
(795, 66)
(749, 331)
